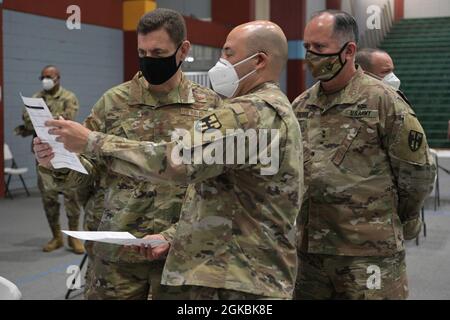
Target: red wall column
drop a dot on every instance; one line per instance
(399, 9)
(334, 4)
(290, 15)
(106, 13)
(232, 13)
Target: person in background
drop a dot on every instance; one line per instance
(380, 64)
(64, 103)
(368, 170)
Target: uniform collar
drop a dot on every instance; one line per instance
(348, 95)
(139, 94)
(57, 94)
(263, 86)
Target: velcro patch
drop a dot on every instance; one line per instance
(357, 113)
(415, 140)
(192, 112)
(209, 122)
(302, 115)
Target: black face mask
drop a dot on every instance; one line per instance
(158, 70)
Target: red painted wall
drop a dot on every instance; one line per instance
(107, 13)
(334, 4)
(231, 13)
(292, 21)
(399, 9)
(206, 33)
(131, 60)
(296, 79)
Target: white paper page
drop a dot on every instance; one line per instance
(120, 238)
(99, 235)
(39, 114)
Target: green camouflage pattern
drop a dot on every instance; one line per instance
(237, 227)
(368, 169)
(323, 67)
(324, 277)
(118, 203)
(63, 103)
(49, 197)
(207, 293)
(131, 111)
(130, 281)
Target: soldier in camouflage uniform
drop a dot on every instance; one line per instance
(61, 102)
(146, 109)
(236, 234)
(368, 171)
(92, 198)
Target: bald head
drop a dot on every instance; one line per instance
(375, 61)
(267, 37)
(52, 70)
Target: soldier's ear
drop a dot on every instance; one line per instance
(262, 60)
(351, 49)
(185, 48)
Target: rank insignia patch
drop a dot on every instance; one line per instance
(209, 122)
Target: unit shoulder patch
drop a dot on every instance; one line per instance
(415, 140)
(208, 122)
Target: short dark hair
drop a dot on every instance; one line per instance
(51, 66)
(345, 25)
(171, 20)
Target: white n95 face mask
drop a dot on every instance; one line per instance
(48, 84)
(224, 78)
(392, 80)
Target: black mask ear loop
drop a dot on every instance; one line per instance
(340, 61)
(175, 56)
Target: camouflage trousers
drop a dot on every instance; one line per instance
(351, 278)
(207, 293)
(129, 281)
(52, 206)
(88, 246)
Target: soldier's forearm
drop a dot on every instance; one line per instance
(68, 179)
(169, 234)
(140, 160)
(414, 184)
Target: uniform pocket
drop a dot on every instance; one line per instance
(359, 152)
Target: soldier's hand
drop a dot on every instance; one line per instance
(72, 134)
(43, 153)
(154, 253)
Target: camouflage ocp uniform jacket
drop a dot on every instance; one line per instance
(63, 103)
(237, 227)
(368, 169)
(131, 111)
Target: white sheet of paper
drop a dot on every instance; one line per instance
(112, 237)
(39, 114)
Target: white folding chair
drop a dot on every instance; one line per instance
(437, 191)
(13, 170)
(8, 290)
